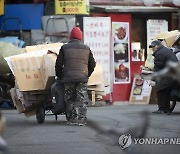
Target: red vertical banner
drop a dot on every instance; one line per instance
(121, 91)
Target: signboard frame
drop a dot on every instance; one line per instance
(142, 96)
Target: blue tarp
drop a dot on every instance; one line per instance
(13, 40)
(29, 14)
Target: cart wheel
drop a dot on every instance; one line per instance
(172, 105)
(56, 117)
(40, 114)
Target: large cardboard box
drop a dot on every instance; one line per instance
(48, 70)
(54, 47)
(27, 73)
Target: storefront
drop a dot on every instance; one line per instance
(140, 24)
(131, 29)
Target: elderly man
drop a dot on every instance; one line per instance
(164, 86)
(74, 64)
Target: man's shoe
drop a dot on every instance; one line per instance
(72, 121)
(168, 113)
(82, 122)
(159, 112)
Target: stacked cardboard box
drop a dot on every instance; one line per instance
(35, 70)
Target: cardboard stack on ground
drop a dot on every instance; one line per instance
(97, 83)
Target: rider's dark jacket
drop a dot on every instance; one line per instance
(161, 57)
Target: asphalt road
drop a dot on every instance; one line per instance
(100, 136)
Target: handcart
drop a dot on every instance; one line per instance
(40, 102)
(56, 30)
(56, 35)
(4, 32)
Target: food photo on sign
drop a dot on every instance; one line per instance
(121, 72)
(120, 52)
(138, 86)
(120, 32)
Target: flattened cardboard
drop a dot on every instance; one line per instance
(17, 103)
(48, 70)
(27, 73)
(55, 47)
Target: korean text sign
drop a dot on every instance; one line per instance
(72, 6)
(97, 35)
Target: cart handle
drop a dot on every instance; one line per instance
(12, 18)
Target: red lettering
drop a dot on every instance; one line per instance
(36, 76)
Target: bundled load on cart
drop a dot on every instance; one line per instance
(36, 85)
(34, 74)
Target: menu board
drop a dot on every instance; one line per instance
(140, 91)
(97, 35)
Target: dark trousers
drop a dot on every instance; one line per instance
(76, 99)
(163, 99)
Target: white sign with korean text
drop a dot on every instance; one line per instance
(154, 28)
(97, 35)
